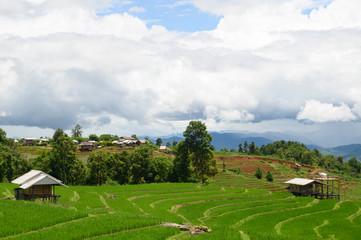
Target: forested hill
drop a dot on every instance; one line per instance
(232, 140)
(346, 151)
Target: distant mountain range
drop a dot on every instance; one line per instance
(232, 140)
(346, 151)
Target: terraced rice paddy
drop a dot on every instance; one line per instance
(137, 211)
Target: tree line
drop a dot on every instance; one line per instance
(298, 152)
(12, 164)
(194, 161)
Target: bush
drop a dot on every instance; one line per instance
(236, 170)
(258, 173)
(269, 176)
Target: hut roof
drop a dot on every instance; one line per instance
(303, 181)
(36, 177)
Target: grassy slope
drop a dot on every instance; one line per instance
(136, 212)
(234, 206)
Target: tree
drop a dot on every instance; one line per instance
(105, 137)
(135, 136)
(58, 133)
(99, 163)
(76, 131)
(240, 149)
(3, 138)
(168, 144)
(121, 166)
(174, 143)
(12, 164)
(181, 170)
(161, 168)
(252, 148)
(158, 142)
(198, 142)
(269, 176)
(63, 160)
(245, 146)
(93, 137)
(139, 162)
(258, 173)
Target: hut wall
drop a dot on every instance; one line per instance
(38, 190)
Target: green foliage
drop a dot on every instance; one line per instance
(240, 149)
(12, 164)
(158, 142)
(3, 138)
(245, 147)
(135, 136)
(62, 163)
(161, 168)
(93, 137)
(181, 171)
(198, 141)
(58, 133)
(269, 176)
(236, 170)
(108, 137)
(76, 131)
(100, 165)
(259, 173)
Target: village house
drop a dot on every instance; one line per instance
(87, 146)
(29, 141)
(129, 141)
(165, 149)
(37, 184)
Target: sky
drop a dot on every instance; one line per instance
(148, 67)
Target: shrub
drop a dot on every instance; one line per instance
(258, 173)
(236, 170)
(269, 176)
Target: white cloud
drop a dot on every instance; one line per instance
(324, 112)
(137, 9)
(261, 64)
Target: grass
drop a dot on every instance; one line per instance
(136, 212)
(234, 206)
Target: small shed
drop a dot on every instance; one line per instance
(29, 141)
(87, 146)
(305, 187)
(36, 184)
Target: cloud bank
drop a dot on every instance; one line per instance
(267, 62)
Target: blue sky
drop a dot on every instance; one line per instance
(174, 15)
(324, 4)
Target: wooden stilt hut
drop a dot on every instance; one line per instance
(331, 188)
(304, 187)
(320, 186)
(37, 184)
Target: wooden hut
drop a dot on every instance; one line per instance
(36, 184)
(331, 187)
(29, 141)
(87, 146)
(305, 187)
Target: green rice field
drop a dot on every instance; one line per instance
(137, 212)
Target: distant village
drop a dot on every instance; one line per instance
(91, 145)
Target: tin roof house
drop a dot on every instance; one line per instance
(37, 184)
